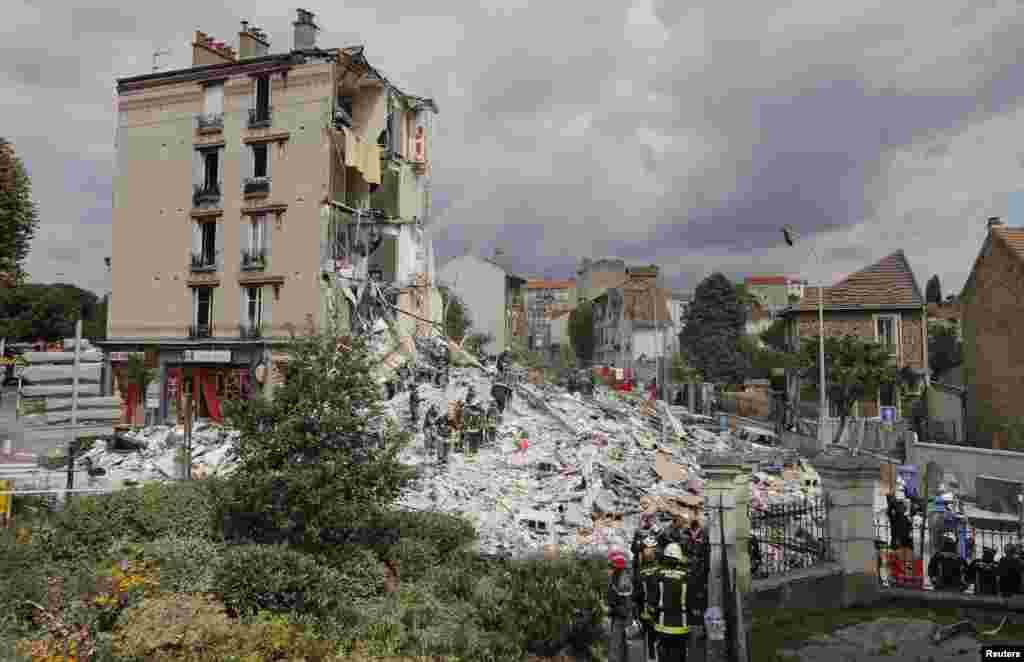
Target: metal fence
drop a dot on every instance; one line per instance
(789, 536)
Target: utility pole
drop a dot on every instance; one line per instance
(73, 443)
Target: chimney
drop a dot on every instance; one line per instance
(498, 252)
(994, 222)
(252, 42)
(305, 31)
(206, 50)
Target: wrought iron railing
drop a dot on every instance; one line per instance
(210, 121)
(205, 194)
(200, 331)
(203, 263)
(260, 116)
(789, 536)
(254, 260)
(256, 185)
(250, 331)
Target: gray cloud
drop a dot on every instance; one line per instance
(87, 21)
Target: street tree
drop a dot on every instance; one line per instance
(714, 325)
(19, 215)
(320, 459)
(457, 321)
(933, 290)
(35, 310)
(855, 368)
(945, 350)
(581, 331)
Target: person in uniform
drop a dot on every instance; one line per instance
(669, 605)
(414, 404)
(646, 593)
(474, 426)
(1010, 570)
(430, 428)
(620, 606)
(946, 569)
(984, 573)
(444, 433)
(491, 423)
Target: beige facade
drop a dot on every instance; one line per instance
(254, 189)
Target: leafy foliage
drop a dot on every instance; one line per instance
(933, 290)
(714, 325)
(945, 350)
(775, 335)
(682, 371)
(311, 459)
(581, 330)
(855, 368)
(32, 311)
(19, 214)
(475, 342)
(188, 564)
(457, 321)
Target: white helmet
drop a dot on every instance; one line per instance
(674, 551)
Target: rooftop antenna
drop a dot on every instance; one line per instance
(157, 54)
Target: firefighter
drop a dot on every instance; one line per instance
(502, 365)
(648, 528)
(946, 569)
(984, 573)
(414, 404)
(698, 557)
(1010, 570)
(620, 606)
(474, 427)
(491, 419)
(647, 593)
(444, 433)
(899, 523)
(669, 608)
(430, 428)
(500, 392)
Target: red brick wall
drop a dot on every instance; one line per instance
(993, 352)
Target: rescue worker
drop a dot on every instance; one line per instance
(444, 433)
(647, 529)
(946, 568)
(491, 423)
(620, 606)
(474, 427)
(457, 421)
(470, 395)
(669, 606)
(414, 404)
(676, 533)
(500, 392)
(646, 594)
(1010, 570)
(984, 573)
(503, 362)
(430, 428)
(698, 554)
(899, 523)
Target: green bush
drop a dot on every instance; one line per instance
(447, 533)
(279, 578)
(22, 577)
(416, 557)
(187, 564)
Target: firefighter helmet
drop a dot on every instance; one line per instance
(674, 551)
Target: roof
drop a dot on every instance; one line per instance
(888, 283)
(766, 280)
(502, 263)
(946, 311)
(1012, 238)
(550, 284)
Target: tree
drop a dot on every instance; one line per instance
(457, 321)
(682, 371)
(32, 311)
(944, 348)
(321, 458)
(566, 359)
(19, 216)
(714, 325)
(775, 335)
(854, 367)
(475, 342)
(581, 330)
(933, 291)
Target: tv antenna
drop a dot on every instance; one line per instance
(157, 54)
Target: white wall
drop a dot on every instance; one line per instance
(648, 342)
(481, 286)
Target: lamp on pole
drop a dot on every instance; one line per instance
(791, 237)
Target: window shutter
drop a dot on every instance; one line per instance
(219, 243)
(197, 167)
(268, 298)
(267, 234)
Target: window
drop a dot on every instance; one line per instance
(260, 160)
(254, 306)
(208, 242)
(262, 95)
(257, 234)
(211, 167)
(213, 99)
(887, 332)
(202, 309)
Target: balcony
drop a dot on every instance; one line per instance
(203, 263)
(200, 331)
(210, 122)
(256, 186)
(259, 118)
(205, 194)
(250, 331)
(254, 260)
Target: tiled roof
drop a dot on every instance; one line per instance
(889, 282)
(766, 280)
(1013, 237)
(550, 284)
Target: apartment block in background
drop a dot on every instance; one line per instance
(545, 299)
(256, 192)
(633, 323)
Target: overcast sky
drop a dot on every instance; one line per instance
(682, 134)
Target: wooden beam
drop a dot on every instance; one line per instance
(61, 357)
(57, 417)
(108, 401)
(89, 372)
(59, 390)
(61, 433)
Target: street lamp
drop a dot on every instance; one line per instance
(791, 236)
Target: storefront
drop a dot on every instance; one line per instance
(210, 378)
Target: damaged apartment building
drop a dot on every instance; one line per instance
(256, 191)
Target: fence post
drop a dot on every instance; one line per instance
(849, 483)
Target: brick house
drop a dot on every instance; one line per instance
(993, 306)
(881, 303)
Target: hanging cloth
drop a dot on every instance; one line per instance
(212, 403)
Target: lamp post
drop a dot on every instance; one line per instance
(791, 237)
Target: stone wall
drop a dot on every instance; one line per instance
(967, 462)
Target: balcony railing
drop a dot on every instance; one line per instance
(200, 331)
(205, 194)
(203, 263)
(253, 260)
(260, 117)
(209, 122)
(250, 331)
(256, 185)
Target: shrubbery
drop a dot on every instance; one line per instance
(187, 564)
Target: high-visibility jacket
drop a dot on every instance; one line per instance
(648, 590)
(669, 602)
(620, 596)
